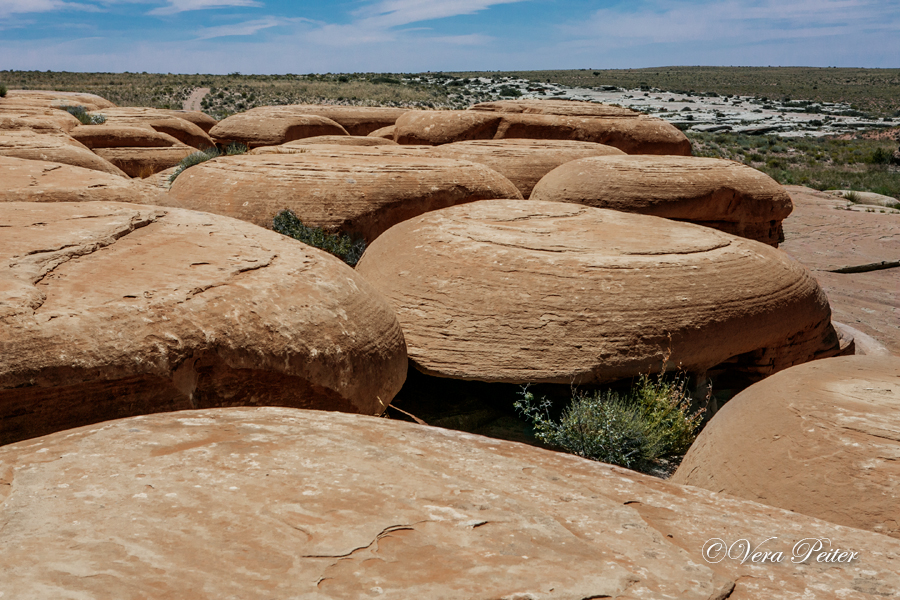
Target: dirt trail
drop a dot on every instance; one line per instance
(193, 101)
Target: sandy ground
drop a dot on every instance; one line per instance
(193, 101)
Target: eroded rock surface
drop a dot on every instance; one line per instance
(524, 162)
(717, 193)
(560, 293)
(356, 194)
(53, 147)
(272, 126)
(341, 140)
(52, 99)
(821, 439)
(39, 120)
(143, 162)
(110, 310)
(163, 121)
(24, 180)
(357, 120)
(850, 253)
(568, 108)
(281, 503)
(113, 136)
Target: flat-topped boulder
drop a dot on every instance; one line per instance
(524, 162)
(53, 147)
(274, 503)
(632, 135)
(110, 310)
(272, 126)
(53, 99)
(40, 120)
(568, 108)
(142, 161)
(24, 180)
(117, 136)
(160, 120)
(198, 118)
(341, 140)
(717, 193)
(357, 120)
(528, 292)
(350, 193)
(821, 439)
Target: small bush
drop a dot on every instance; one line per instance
(880, 156)
(202, 156)
(853, 197)
(342, 246)
(3, 90)
(86, 118)
(652, 422)
(509, 92)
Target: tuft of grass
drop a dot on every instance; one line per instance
(3, 90)
(202, 156)
(342, 246)
(86, 118)
(852, 196)
(653, 421)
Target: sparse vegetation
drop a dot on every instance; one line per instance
(653, 421)
(86, 118)
(3, 90)
(202, 156)
(344, 247)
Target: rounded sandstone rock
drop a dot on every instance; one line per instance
(523, 292)
(24, 180)
(52, 99)
(354, 194)
(39, 120)
(53, 147)
(272, 126)
(198, 118)
(110, 310)
(342, 140)
(821, 439)
(143, 162)
(163, 121)
(717, 193)
(113, 136)
(274, 503)
(568, 108)
(524, 162)
(357, 120)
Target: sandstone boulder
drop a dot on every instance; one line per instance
(39, 181)
(568, 108)
(717, 193)
(281, 503)
(163, 121)
(357, 120)
(637, 135)
(41, 120)
(53, 147)
(113, 136)
(110, 310)
(821, 439)
(51, 99)
(342, 140)
(143, 162)
(272, 126)
(523, 292)
(386, 133)
(524, 162)
(358, 195)
(348, 151)
(198, 118)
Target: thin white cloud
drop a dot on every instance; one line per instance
(11, 7)
(178, 6)
(394, 13)
(245, 28)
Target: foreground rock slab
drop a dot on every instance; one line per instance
(560, 293)
(717, 193)
(281, 503)
(53, 147)
(24, 180)
(354, 193)
(110, 310)
(821, 439)
(850, 253)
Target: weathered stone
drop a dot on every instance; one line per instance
(272, 126)
(53, 147)
(524, 162)
(342, 140)
(826, 239)
(717, 193)
(568, 108)
(348, 150)
(637, 135)
(386, 133)
(355, 194)
(357, 120)
(198, 118)
(24, 180)
(39, 120)
(821, 439)
(112, 136)
(163, 121)
(279, 503)
(143, 162)
(110, 310)
(552, 292)
(51, 99)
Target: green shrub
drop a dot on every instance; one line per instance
(202, 156)
(342, 246)
(86, 118)
(510, 92)
(880, 156)
(852, 196)
(651, 422)
(3, 90)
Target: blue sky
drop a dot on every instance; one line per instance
(282, 36)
